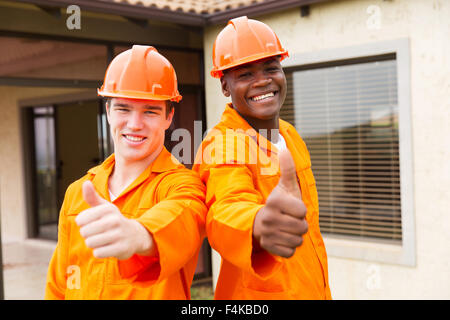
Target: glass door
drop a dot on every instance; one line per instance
(45, 172)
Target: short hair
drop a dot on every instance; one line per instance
(169, 107)
(169, 104)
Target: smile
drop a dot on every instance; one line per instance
(134, 138)
(263, 96)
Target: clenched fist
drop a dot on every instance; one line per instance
(108, 232)
(279, 225)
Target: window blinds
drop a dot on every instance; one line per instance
(348, 118)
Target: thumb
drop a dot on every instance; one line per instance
(288, 178)
(91, 196)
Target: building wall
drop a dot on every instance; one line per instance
(12, 180)
(350, 23)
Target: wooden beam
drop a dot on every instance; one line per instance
(52, 11)
(143, 23)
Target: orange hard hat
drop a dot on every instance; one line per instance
(244, 40)
(140, 73)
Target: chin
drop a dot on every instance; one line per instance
(268, 115)
(135, 155)
(133, 158)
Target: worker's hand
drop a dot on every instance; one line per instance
(279, 225)
(108, 232)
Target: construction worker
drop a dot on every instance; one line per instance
(263, 214)
(131, 228)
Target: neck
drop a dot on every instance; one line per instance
(126, 171)
(267, 128)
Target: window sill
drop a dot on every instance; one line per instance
(369, 250)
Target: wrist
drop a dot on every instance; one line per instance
(145, 244)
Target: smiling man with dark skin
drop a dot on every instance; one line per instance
(264, 223)
(257, 90)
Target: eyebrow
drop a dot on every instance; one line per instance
(271, 61)
(249, 65)
(147, 106)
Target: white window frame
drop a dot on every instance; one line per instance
(379, 250)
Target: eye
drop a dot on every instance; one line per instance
(122, 110)
(244, 75)
(272, 69)
(152, 111)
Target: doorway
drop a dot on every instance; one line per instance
(65, 141)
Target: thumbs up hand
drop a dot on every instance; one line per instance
(108, 232)
(279, 225)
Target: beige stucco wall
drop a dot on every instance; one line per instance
(12, 188)
(426, 23)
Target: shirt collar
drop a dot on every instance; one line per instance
(165, 161)
(232, 119)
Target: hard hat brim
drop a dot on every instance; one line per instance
(138, 95)
(218, 72)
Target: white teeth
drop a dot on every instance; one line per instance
(133, 138)
(264, 96)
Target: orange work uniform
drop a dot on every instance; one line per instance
(238, 184)
(168, 200)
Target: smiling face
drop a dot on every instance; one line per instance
(137, 128)
(257, 91)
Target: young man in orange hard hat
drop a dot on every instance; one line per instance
(131, 228)
(263, 214)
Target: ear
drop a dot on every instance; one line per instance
(108, 109)
(225, 87)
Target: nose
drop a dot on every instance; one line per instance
(135, 121)
(261, 79)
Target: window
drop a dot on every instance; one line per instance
(348, 117)
(348, 111)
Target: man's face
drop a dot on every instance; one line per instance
(257, 89)
(137, 127)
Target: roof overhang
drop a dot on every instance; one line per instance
(127, 10)
(257, 9)
(179, 17)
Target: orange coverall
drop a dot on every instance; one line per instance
(236, 191)
(168, 200)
